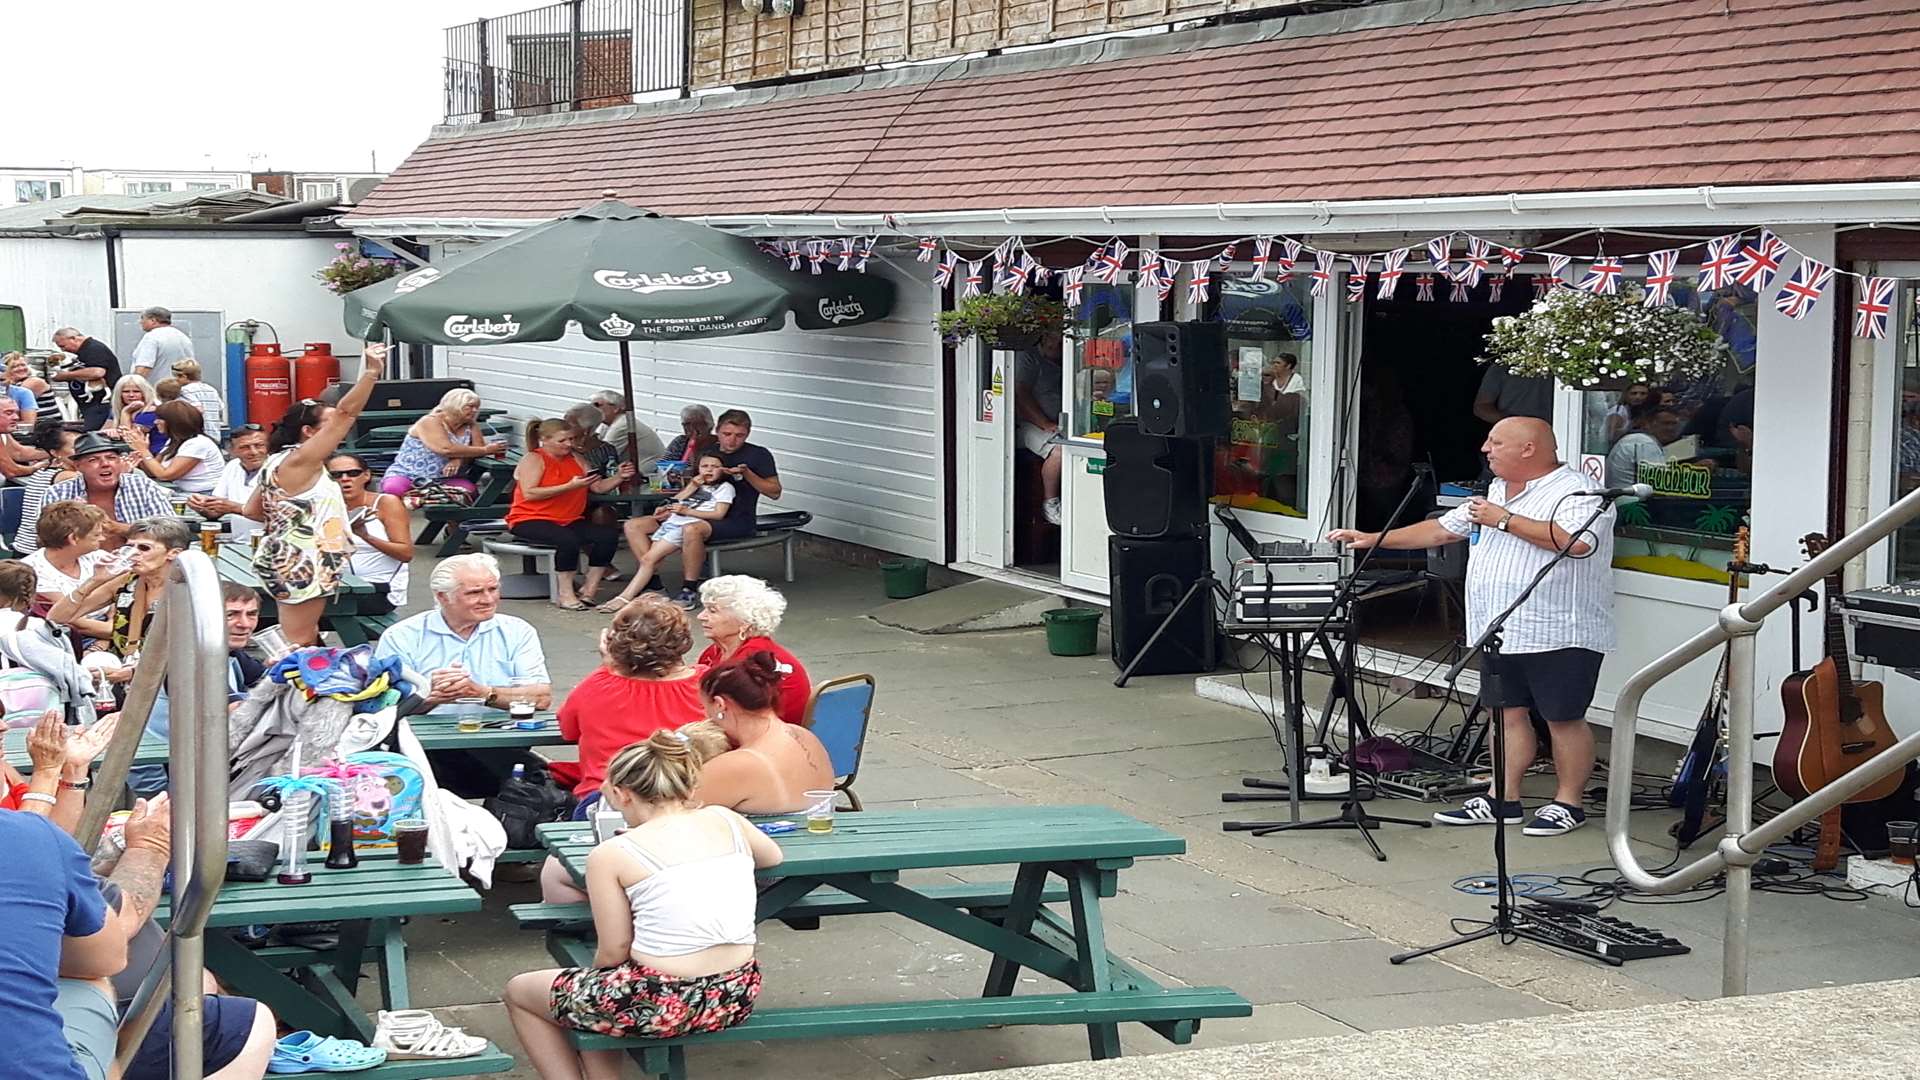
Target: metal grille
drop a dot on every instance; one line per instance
(583, 54)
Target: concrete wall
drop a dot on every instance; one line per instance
(56, 282)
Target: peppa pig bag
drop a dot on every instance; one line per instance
(382, 788)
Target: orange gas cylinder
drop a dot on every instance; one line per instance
(315, 370)
(269, 384)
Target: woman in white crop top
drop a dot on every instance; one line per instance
(673, 902)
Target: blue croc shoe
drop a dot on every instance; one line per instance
(306, 1052)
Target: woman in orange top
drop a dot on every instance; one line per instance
(550, 488)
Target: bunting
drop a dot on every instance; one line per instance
(1425, 284)
(929, 247)
(1437, 253)
(942, 274)
(1760, 260)
(1357, 279)
(1660, 276)
(1543, 284)
(1289, 254)
(1716, 270)
(847, 252)
(1149, 266)
(1109, 261)
(1557, 266)
(1604, 278)
(1476, 267)
(1225, 258)
(1804, 289)
(793, 255)
(866, 252)
(1163, 279)
(1871, 310)
(1458, 294)
(976, 277)
(1199, 280)
(1071, 282)
(1390, 273)
(1261, 246)
(1494, 286)
(1322, 271)
(817, 253)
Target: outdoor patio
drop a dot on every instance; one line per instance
(1300, 925)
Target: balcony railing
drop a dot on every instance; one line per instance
(582, 54)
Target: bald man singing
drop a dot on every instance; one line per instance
(1552, 646)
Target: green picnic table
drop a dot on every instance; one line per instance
(314, 988)
(857, 869)
(371, 420)
(495, 495)
(356, 613)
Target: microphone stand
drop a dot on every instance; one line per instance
(1508, 923)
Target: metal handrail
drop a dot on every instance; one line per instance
(190, 647)
(1743, 844)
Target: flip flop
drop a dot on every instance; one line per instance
(306, 1052)
(577, 605)
(614, 606)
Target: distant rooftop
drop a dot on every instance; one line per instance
(167, 207)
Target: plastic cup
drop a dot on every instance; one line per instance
(820, 811)
(521, 710)
(272, 644)
(1902, 838)
(469, 724)
(410, 837)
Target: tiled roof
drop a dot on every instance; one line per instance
(1601, 94)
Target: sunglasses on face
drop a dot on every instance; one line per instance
(342, 474)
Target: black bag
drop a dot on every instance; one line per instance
(527, 802)
(251, 860)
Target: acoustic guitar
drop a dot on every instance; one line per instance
(1833, 723)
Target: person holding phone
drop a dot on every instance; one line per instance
(382, 539)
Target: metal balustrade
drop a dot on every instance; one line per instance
(1743, 843)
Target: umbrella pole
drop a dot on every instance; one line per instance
(626, 381)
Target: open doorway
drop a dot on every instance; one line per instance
(1425, 405)
(1039, 449)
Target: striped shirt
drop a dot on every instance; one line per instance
(1573, 607)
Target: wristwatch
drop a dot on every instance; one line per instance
(1504, 520)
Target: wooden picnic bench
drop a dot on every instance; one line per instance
(857, 869)
(315, 988)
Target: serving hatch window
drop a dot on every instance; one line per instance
(1262, 463)
(1102, 355)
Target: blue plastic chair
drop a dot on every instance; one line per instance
(837, 714)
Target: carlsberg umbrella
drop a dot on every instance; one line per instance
(615, 273)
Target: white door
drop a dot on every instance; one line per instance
(988, 482)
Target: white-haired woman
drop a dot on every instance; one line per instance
(440, 444)
(616, 421)
(696, 434)
(740, 615)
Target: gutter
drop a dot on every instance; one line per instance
(1799, 204)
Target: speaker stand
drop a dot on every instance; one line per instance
(1205, 583)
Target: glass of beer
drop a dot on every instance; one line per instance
(820, 811)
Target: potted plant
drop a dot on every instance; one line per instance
(351, 270)
(1004, 320)
(1597, 342)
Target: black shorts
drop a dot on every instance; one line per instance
(1558, 685)
(733, 527)
(226, 1023)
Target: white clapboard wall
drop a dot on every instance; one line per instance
(853, 417)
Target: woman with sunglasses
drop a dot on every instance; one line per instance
(382, 538)
(190, 461)
(306, 541)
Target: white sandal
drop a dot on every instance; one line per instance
(412, 1034)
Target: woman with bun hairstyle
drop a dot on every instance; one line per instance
(773, 764)
(673, 903)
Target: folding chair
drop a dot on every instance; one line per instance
(837, 714)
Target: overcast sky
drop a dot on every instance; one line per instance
(119, 84)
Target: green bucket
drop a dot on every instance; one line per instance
(1072, 631)
(904, 578)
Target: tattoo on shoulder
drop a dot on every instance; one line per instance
(139, 876)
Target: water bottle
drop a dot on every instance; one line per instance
(519, 771)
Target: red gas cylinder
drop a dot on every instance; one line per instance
(315, 370)
(269, 385)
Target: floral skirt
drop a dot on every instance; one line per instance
(635, 1001)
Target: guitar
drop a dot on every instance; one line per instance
(1705, 762)
(1833, 723)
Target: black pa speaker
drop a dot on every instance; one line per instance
(1180, 378)
(1148, 579)
(1155, 486)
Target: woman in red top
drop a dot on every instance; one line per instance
(550, 488)
(739, 615)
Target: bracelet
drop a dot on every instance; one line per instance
(84, 785)
(39, 796)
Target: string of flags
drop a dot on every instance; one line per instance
(1461, 259)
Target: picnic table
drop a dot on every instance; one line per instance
(857, 869)
(371, 421)
(315, 988)
(356, 613)
(495, 495)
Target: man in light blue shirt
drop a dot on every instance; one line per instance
(469, 652)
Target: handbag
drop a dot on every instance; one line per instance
(251, 860)
(526, 801)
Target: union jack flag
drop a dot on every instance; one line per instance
(1037, 269)
(1604, 278)
(976, 277)
(1003, 254)
(817, 251)
(1808, 283)
(943, 273)
(1543, 284)
(1425, 284)
(1871, 310)
(1109, 261)
(1660, 276)
(1760, 260)
(1290, 254)
(793, 254)
(1390, 273)
(1459, 292)
(1322, 271)
(847, 252)
(1716, 270)
(1511, 257)
(1261, 245)
(1437, 252)
(1225, 258)
(1476, 267)
(1149, 265)
(1012, 277)
(1199, 281)
(1357, 277)
(1557, 266)
(1071, 282)
(928, 247)
(1494, 285)
(1163, 278)
(866, 252)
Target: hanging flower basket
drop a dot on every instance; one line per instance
(1594, 342)
(351, 270)
(1004, 320)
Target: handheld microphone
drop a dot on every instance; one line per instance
(1638, 491)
